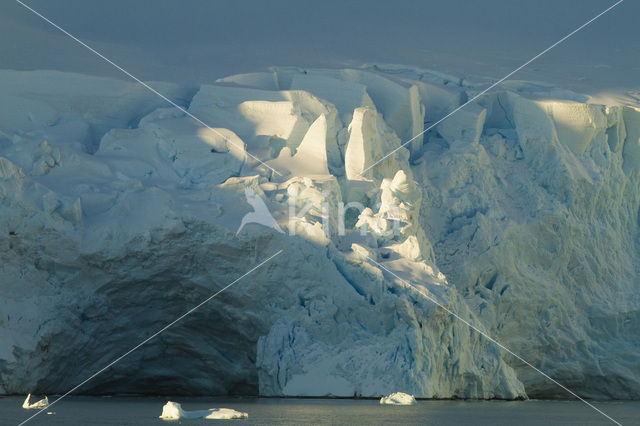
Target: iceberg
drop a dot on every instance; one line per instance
(398, 398)
(28, 405)
(173, 411)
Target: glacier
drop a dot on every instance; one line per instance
(119, 213)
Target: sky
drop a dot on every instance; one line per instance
(198, 41)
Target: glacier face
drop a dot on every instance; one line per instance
(519, 213)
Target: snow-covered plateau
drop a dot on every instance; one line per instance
(118, 213)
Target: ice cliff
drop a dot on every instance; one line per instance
(118, 213)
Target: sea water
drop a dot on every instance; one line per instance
(84, 411)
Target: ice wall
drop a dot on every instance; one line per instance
(118, 214)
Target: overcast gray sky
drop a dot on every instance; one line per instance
(201, 40)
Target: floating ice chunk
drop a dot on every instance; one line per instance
(225, 414)
(173, 411)
(398, 398)
(43, 403)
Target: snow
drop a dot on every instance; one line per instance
(398, 398)
(173, 411)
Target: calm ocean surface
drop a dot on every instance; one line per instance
(76, 411)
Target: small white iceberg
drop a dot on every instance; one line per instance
(43, 403)
(173, 411)
(398, 398)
